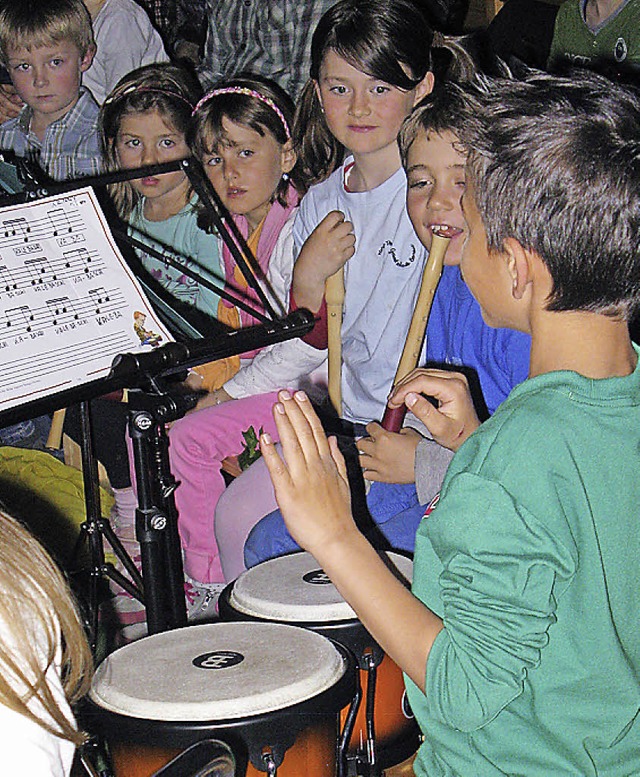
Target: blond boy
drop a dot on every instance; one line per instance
(46, 45)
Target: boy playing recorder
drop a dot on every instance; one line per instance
(521, 638)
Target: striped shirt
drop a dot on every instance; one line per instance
(269, 37)
(71, 145)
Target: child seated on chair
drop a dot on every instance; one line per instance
(46, 45)
(520, 639)
(406, 468)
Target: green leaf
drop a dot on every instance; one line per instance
(251, 450)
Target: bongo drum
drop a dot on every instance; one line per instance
(292, 589)
(272, 692)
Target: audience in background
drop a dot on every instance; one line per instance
(271, 38)
(597, 31)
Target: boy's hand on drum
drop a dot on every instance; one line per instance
(454, 419)
(388, 457)
(311, 483)
(327, 249)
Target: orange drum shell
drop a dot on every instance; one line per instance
(312, 755)
(392, 726)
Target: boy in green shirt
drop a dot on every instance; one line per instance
(521, 640)
(597, 30)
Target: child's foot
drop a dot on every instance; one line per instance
(123, 608)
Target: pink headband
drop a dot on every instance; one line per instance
(153, 89)
(249, 93)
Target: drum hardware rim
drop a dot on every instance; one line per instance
(372, 675)
(249, 732)
(358, 647)
(270, 764)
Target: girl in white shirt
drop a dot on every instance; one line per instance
(370, 64)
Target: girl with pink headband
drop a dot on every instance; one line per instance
(241, 132)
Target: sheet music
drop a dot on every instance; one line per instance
(68, 302)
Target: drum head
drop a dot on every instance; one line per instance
(294, 589)
(217, 672)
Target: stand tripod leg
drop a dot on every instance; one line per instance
(94, 515)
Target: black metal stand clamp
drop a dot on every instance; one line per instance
(156, 515)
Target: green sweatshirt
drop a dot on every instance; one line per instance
(532, 557)
(617, 40)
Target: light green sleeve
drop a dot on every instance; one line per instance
(498, 589)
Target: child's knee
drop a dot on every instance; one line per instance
(268, 539)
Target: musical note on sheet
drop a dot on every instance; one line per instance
(68, 300)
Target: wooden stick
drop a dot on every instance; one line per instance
(54, 439)
(334, 296)
(393, 417)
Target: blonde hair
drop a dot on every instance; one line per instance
(40, 626)
(168, 89)
(35, 23)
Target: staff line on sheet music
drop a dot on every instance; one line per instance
(23, 319)
(40, 271)
(57, 222)
(46, 362)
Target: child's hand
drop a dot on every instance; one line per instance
(388, 457)
(327, 249)
(455, 417)
(10, 103)
(311, 483)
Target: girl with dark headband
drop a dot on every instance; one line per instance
(144, 121)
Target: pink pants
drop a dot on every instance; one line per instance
(197, 445)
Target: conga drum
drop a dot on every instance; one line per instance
(272, 692)
(292, 589)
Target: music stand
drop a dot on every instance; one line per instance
(154, 404)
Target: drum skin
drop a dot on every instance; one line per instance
(276, 694)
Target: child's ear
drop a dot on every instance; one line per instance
(288, 157)
(87, 59)
(424, 88)
(518, 266)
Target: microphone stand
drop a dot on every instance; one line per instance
(156, 514)
(153, 402)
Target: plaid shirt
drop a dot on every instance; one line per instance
(269, 37)
(71, 146)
